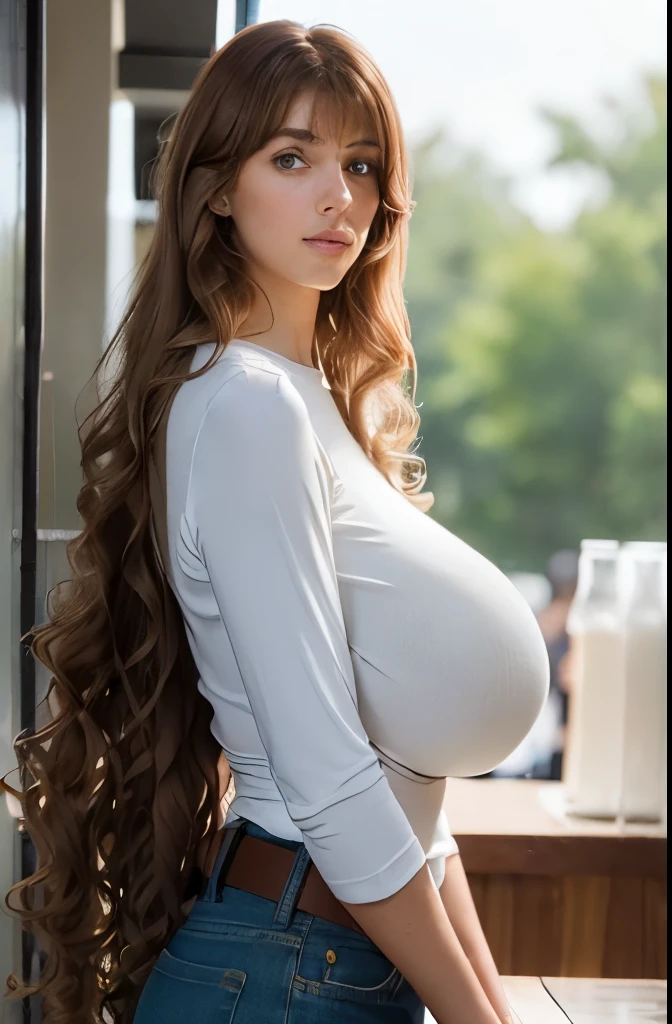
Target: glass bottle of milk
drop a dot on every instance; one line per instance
(642, 571)
(593, 759)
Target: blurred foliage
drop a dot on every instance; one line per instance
(541, 355)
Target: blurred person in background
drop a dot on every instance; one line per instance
(562, 572)
(539, 756)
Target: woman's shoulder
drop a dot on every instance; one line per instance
(245, 422)
(240, 387)
(251, 369)
(243, 405)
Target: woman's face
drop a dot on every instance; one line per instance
(293, 189)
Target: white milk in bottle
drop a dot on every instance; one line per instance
(593, 759)
(642, 581)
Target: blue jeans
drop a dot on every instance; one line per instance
(243, 959)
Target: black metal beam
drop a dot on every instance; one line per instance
(33, 326)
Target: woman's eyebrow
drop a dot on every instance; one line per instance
(303, 135)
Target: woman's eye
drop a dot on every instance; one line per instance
(294, 156)
(287, 156)
(372, 167)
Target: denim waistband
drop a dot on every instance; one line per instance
(252, 829)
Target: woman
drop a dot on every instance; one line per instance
(257, 589)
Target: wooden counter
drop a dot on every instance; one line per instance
(560, 897)
(583, 1001)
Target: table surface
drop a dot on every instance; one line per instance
(519, 827)
(515, 807)
(584, 1001)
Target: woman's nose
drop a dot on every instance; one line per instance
(336, 194)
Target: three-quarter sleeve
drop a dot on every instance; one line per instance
(259, 496)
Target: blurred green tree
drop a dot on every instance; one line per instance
(541, 355)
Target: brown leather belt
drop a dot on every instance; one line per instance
(263, 868)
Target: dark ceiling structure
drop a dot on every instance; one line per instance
(166, 44)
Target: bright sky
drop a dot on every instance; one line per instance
(482, 67)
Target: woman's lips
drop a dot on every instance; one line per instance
(321, 245)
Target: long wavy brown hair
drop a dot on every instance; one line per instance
(123, 786)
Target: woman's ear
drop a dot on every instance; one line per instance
(219, 205)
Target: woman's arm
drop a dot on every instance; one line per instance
(413, 930)
(457, 899)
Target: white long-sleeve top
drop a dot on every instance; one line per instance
(354, 651)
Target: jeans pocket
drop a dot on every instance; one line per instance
(337, 966)
(179, 990)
